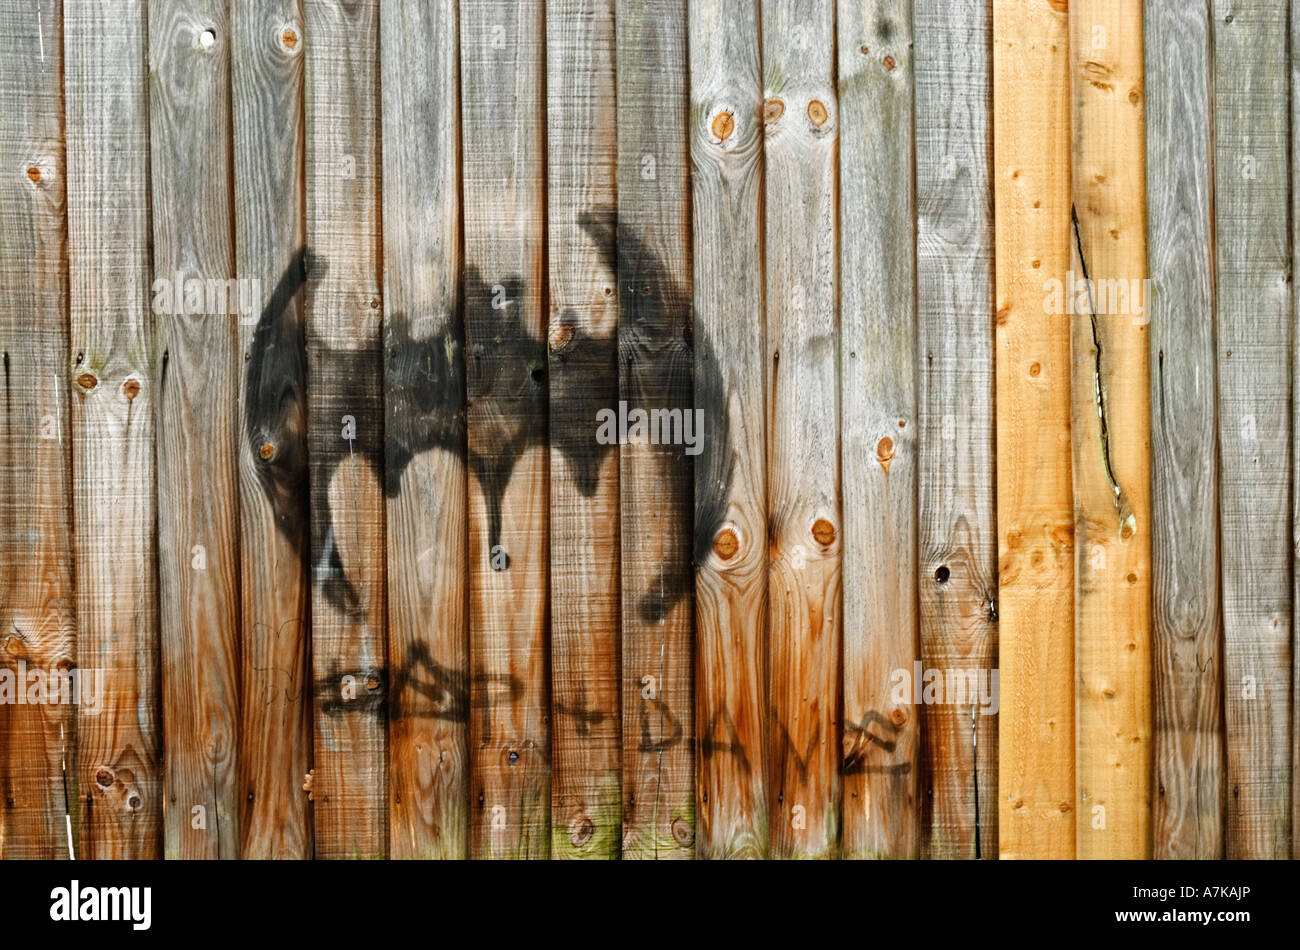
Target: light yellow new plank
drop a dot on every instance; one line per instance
(1031, 172)
(1110, 431)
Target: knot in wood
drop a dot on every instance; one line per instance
(726, 544)
(724, 123)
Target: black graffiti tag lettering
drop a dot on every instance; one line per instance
(733, 745)
(858, 737)
(788, 753)
(669, 737)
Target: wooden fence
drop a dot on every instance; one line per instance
(647, 428)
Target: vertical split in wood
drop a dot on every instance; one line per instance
(1110, 431)
(193, 247)
(882, 728)
(804, 522)
(346, 432)
(957, 553)
(586, 810)
(424, 390)
(38, 779)
(502, 46)
(655, 375)
(1188, 754)
(270, 235)
(730, 479)
(1031, 136)
(113, 378)
(1254, 338)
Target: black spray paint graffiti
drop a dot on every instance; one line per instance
(448, 694)
(858, 738)
(425, 409)
(425, 405)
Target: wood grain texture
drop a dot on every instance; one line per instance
(1295, 437)
(37, 621)
(1031, 159)
(270, 233)
(346, 426)
(730, 473)
(956, 535)
(1110, 432)
(655, 373)
(586, 810)
(1186, 625)
(1254, 338)
(882, 730)
(113, 377)
(804, 523)
(504, 188)
(193, 248)
(428, 581)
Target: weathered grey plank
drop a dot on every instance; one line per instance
(113, 377)
(957, 538)
(878, 427)
(800, 135)
(270, 233)
(730, 476)
(346, 428)
(424, 388)
(1188, 819)
(1254, 337)
(1295, 417)
(655, 373)
(586, 811)
(37, 623)
(193, 261)
(504, 188)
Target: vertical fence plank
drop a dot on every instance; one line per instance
(730, 476)
(1254, 333)
(800, 136)
(1294, 77)
(882, 727)
(1110, 431)
(275, 729)
(655, 375)
(346, 433)
(428, 645)
(195, 311)
(503, 148)
(1188, 755)
(586, 811)
(1031, 134)
(113, 406)
(956, 536)
(37, 623)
